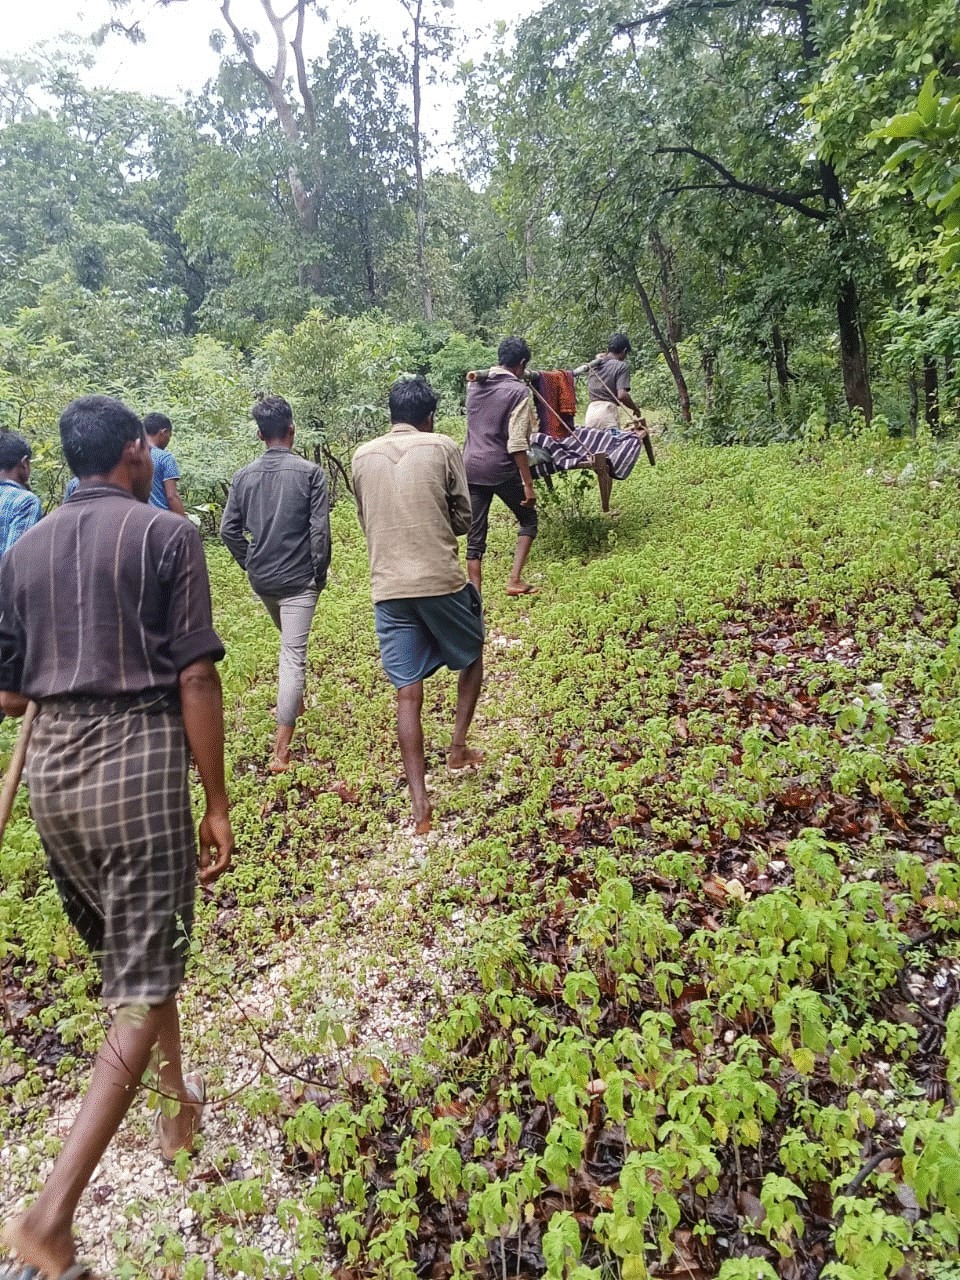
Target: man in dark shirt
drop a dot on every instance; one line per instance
(276, 525)
(105, 622)
(500, 420)
(608, 385)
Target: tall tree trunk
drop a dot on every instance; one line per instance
(931, 394)
(853, 350)
(853, 346)
(416, 16)
(780, 360)
(708, 363)
(366, 248)
(668, 351)
(914, 404)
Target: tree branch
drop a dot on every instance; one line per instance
(751, 188)
(686, 8)
(302, 79)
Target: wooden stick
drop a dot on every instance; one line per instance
(15, 768)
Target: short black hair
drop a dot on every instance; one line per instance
(619, 344)
(273, 417)
(93, 431)
(512, 352)
(412, 400)
(13, 450)
(154, 423)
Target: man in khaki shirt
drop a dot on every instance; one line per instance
(413, 503)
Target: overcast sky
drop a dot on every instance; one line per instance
(177, 54)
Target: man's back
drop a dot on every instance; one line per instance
(164, 468)
(607, 377)
(106, 596)
(280, 500)
(412, 502)
(492, 403)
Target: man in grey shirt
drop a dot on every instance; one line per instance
(276, 525)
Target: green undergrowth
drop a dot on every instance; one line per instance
(706, 1021)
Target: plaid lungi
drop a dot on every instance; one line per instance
(109, 795)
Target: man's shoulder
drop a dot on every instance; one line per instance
(168, 465)
(297, 462)
(15, 496)
(275, 461)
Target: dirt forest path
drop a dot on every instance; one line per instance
(286, 1015)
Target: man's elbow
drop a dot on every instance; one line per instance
(13, 704)
(200, 677)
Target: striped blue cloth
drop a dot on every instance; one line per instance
(622, 448)
(19, 511)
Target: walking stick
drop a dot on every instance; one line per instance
(15, 768)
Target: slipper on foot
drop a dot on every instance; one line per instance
(523, 591)
(196, 1088)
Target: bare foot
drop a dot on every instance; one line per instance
(278, 765)
(423, 822)
(461, 757)
(177, 1133)
(32, 1244)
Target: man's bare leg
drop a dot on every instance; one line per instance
(468, 691)
(410, 733)
(601, 465)
(178, 1130)
(475, 573)
(281, 748)
(516, 585)
(43, 1236)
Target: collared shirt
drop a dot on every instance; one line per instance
(164, 468)
(412, 502)
(19, 511)
(500, 420)
(105, 596)
(276, 523)
(608, 378)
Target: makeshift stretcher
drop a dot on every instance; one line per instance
(560, 445)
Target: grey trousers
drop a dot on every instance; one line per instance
(292, 616)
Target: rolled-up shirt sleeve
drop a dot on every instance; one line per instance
(190, 618)
(522, 424)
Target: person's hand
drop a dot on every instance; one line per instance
(216, 846)
(529, 498)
